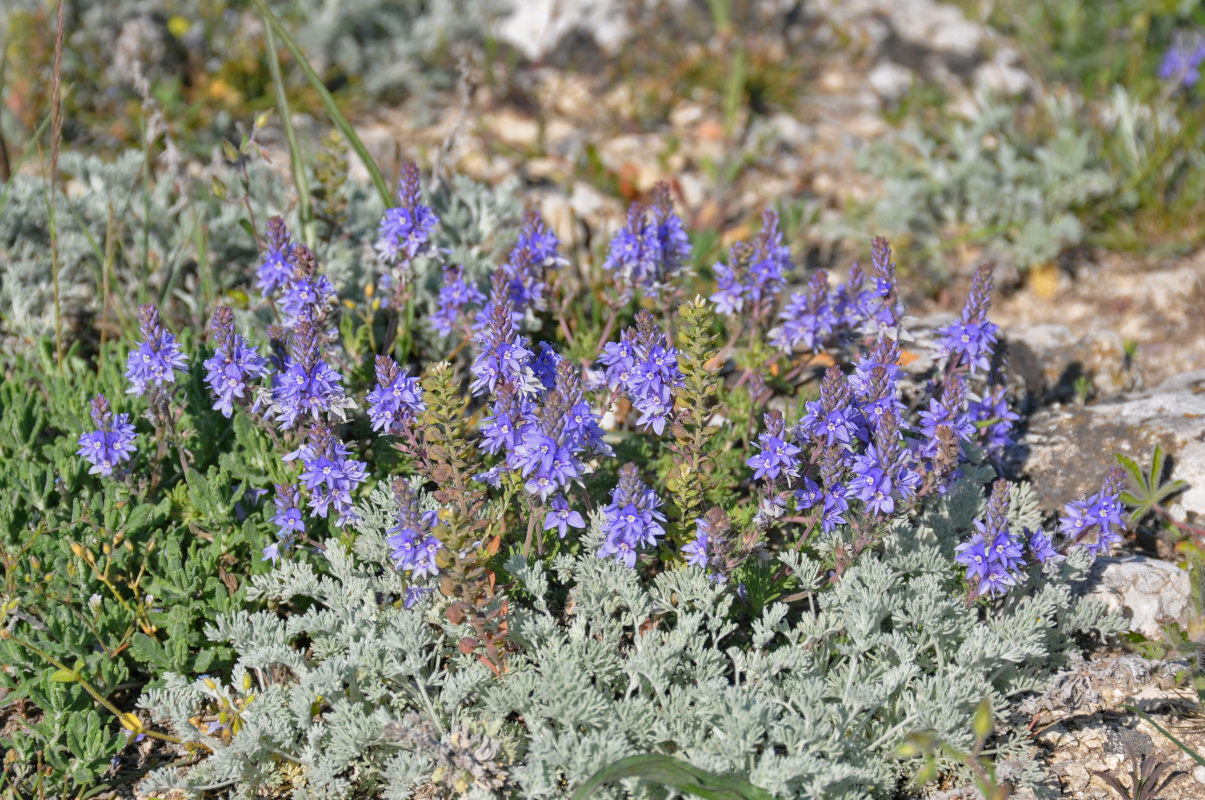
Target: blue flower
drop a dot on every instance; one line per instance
(233, 364)
(645, 367)
(413, 549)
(111, 444)
(276, 269)
(1181, 63)
(287, 519)
(562, 517)
(395, 399)
(455, 294)
(157, 357)
(652, 247)
(972, 339)
(405, 231)
(305, 385)
(631, 519)
(1042, 549)
(1096, 522)
(697, 550)
(329, 475)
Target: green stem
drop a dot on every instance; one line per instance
(296, 165)
(332, 109)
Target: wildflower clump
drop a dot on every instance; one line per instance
(742, 529)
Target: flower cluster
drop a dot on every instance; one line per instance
(1097, 521)
(112, 441)
(156, 358)
(405, 230)
(456, 293)
(329, 475)
(276, 268)
(412, 547)
(756, 273)
(526, 270)
(652, 248)
(502, 354)
(1181, 63)
(288, 521)
(631, 519)
(992, 557)
(396, 398)
(308, 296)
(822, 317)
(644, 366)
(305, 385)
(232, 365)
(972, 339)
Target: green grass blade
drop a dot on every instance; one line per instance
(331, 108)
(675, 774)
(296, 165)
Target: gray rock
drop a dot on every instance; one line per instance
(1149, 592)
(537, 27)
(1066, 451)
(1048, 359)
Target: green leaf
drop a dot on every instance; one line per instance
(63, 676)
(670, 772)
(981, 723)
(1132, 468)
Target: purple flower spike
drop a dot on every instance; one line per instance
(632, 518)
(155, 361)
(413, 548)
(652, 248)
(971, 340)
(454, 296)
(645, 367)
(233, 365)
(1181, 63)
(1096, 522)
(287, 519)
(328, 474)
(276, 269)
(396, 398)
(405, 231)
(993, 558)
(111, 444)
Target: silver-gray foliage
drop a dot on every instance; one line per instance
(353, 692)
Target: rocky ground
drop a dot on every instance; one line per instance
(1107, 350)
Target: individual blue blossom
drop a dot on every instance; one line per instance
(111, 443)
(651, 248)
(632, 519)
(328, 474)
(808, 320)
(1096, 522)
(233, 365)
(456, 293)
(970, 341)
(276, 269)
(405, 230)
(644, 366)
(412, 547)
(395, 399)
(287, 519)
(777, 456)
(562, 517)
(156, 358)
(1181, 64)
(306, 386)
(1041, 548)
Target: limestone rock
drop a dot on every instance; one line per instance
(1149, 592)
